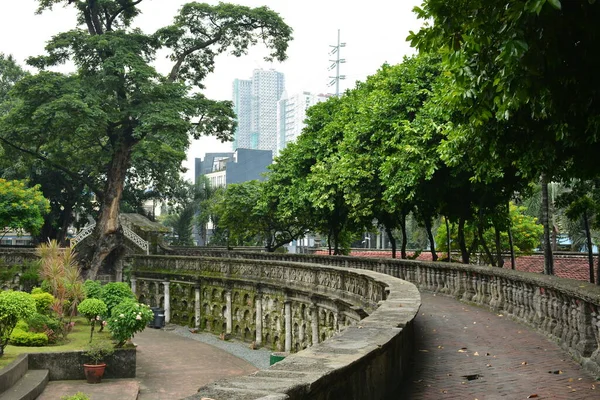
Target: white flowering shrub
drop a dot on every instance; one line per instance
(128, 318)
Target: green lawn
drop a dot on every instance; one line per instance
(76, 340)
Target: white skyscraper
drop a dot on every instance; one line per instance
(291, 113)
(242, 99)
(255, 103)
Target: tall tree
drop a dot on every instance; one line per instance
(528, 69)
(117, 105)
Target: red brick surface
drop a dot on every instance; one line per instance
(454, 340)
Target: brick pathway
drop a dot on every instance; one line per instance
(466, 352)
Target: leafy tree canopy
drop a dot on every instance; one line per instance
(21, 208)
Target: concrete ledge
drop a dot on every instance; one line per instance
(565, 310)
(69, 365)
(11, 374)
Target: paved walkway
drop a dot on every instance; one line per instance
(169, 367)
(465, 352)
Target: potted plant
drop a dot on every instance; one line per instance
(96, 352)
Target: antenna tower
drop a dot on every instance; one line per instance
(335, 64)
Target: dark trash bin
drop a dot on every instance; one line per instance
(159, 319)
(155, 311)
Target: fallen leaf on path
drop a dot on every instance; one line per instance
(424, 351)
(532, 396)
(476, 354)
(524, 363)
(558, 371)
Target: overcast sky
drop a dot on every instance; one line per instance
(374, 32)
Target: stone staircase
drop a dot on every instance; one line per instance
(18, 382)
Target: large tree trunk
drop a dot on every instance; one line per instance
(588, 237)
(434, 256)
(388, 230)
(404, 238)
(486, 249)
(464, 252)
(548, 256)
(108, 232)
(510, 238)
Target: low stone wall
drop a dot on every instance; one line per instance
(351, 331)
(16, 256)
(69, 365)
(565, 310)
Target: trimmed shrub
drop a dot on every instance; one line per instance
(29, 339)
(92, 309)
(114, 293)
(93, 289)
(40, 323)
(127, 319)
(43, 301)
(14, 306)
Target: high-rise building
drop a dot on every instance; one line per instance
(291, 113)
(255, 103)
(242, 99)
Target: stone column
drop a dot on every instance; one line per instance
(197, 306)
(315, 324)
(288, 326)
(336, 327)
(167, 302)
(228, 316)
(133, 280)
(119, 272)
(258, 319)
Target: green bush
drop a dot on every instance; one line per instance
(14, 306)
(92, 309)
(40, 323)
(43, 301)
(93, 289)
(114, 293)
(128, 318)
(37, 290)
(30, 276)
(76, 396)
(22, 325)
(29, 339)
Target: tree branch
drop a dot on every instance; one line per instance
(175, 70)
(54, 165)
(110, 20)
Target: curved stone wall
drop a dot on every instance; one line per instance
(565, 310)
(351, 330)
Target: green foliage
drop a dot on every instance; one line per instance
(525, 229)
(41, 322)
(116, 110)
(13, 307)
(114, 293)
(76, 396)
(28, 339)
(43, 302)
(97, 351)
(61, 274)
(249, 213)
(128, 318)
(92, 309)
(93, 289)
(30, 276)
(21, 208)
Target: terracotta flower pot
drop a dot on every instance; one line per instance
(93, 372)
